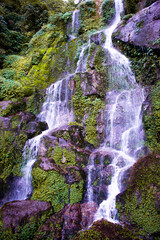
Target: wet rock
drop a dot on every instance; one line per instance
(19, 212)
(89, 84)
(72, 134)
(103, 229)
(53, 226)
(98, 38)
(88, 211)
(142, 29)
(72, 218)
(4, 123)
(72, 221)
(4, 104)
(35, 128)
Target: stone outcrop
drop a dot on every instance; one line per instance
(19, 212)
(69, 220)
(143, 29)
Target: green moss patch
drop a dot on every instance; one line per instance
(152, 120)
(103, 230)
(139, 204)
(51, 187)
(90, 105)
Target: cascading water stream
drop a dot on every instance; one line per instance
(124, 129)
(57, 113)
(75, 21)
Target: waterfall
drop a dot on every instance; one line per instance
(75, 24)
(57, 113)
(124, 128)
(75, 21)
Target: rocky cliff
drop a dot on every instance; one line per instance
(44, 51)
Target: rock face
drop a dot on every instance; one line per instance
(19, 212)
(143, 29)
(139, 203)
(69, 220)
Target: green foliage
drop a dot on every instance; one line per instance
(10, 89)
(27, 230)
(103, 230)
(107, 11)
(13, 108)
(34, 102)
(139, 202)
(76, 192)
(89, 19)
(131, 6)
(51, 187)
(90, 105)
(89, 235)
(63, 156)
(11, 148)
(152, 120)
(144, 62)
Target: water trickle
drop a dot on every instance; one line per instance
(75, 22)
(124, 129)
(56, 112)
(82, 62)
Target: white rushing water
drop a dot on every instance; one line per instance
(75, 21)
(56, 112)
(124, 129)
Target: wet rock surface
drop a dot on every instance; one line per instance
(142, 29)
(19, 212)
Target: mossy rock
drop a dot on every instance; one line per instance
(86, 109)
(103, 230)
(139, 204)
(89, 19)
(151, 119)
(108, 11)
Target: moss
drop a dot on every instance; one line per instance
(64, 156)
(90, 105)
(11, 148)
(76, 192)
(89, 18)
(13, 108)
(144, 62)
(51, 187)
(131, 6)
(140, 202)
(103, 230)
(107, 11)
(15, 121)
(27, 230)
(152, 120)
(34, 102)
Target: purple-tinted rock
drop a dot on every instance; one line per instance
(19, 212)
(143, 28)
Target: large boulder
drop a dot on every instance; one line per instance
(19, 212)
(65, 224)
(139, 203)
(142, 29)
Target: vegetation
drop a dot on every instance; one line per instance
(107, 11)
(89, 19)
(132, 6)
(103, 230)
(36, 50)
(87, 105)
(152, 120)
(139, 204)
